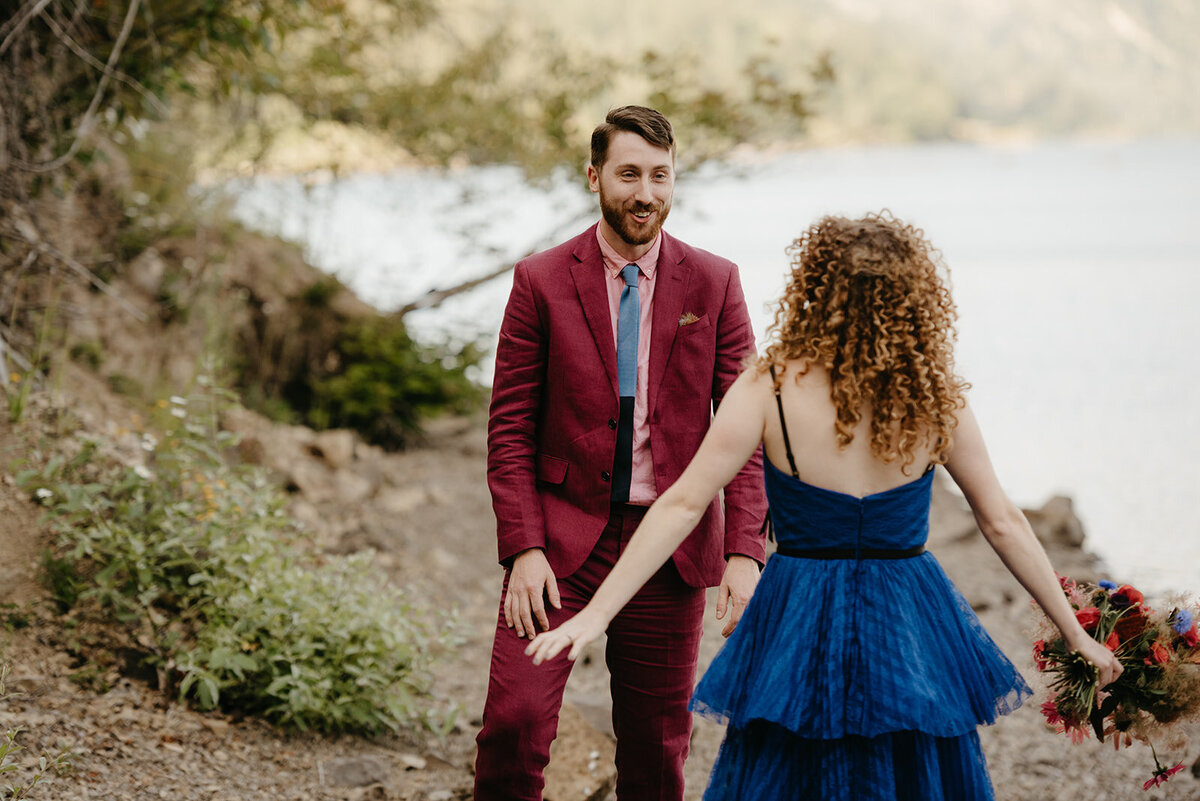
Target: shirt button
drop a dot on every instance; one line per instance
(612, 424)
(605, 475)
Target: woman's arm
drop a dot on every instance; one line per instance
(734, 436)
(1009, 534)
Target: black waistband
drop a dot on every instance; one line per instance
(852, 553)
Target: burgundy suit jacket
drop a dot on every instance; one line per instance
(551, 429)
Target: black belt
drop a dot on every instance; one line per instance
(852, 553)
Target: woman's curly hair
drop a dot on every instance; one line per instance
(867, 301)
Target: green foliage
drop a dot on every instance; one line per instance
(197, 561)
(88, 353)
(384, 382)
(9, 748)
(319, 293)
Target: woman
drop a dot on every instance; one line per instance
(857, 670)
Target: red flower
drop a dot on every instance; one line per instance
(1159, 655)
(1126, 596)
(1072, 728)
(1161, 776)
(1050, 712)
(1039, 655)
(1113, 642)
(1088, 617)
(1191, 637)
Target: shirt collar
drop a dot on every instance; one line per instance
(614, 262)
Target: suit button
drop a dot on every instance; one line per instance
(605, 475)
(612, 424)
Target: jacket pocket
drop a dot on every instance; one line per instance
(551, 469)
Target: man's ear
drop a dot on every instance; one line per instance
(593, 176)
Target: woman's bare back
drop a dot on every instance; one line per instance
(810, 415)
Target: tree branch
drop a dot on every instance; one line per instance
(85, 124)
(20, 24)
(27, 231)
(79, 50)
(435, 297)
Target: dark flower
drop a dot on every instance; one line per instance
(1131, 624)
(1126, 596)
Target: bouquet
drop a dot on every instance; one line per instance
(1159, 689)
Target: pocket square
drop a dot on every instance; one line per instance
(688, 319)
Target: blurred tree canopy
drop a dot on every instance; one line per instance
(443, 79)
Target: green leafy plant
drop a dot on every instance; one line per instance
(384, 382)
(197, 562)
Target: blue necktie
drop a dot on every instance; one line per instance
(628, 321)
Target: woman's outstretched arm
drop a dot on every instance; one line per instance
(1010, 535)
(735, 433)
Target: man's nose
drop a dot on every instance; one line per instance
(643, 194)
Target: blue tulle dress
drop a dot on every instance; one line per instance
(854, 678)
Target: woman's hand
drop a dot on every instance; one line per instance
(1108, 667)
(576, 632)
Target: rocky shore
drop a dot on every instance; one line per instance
(427, 515)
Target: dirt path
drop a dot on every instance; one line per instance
(428, 515)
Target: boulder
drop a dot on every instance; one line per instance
(581, 760)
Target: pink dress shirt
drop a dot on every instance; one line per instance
(642, 489)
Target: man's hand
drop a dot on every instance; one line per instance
(737, 585)
(530, 579)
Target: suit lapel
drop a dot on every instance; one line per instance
(672, 274)
(588, 275)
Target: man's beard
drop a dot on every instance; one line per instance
(631, 232)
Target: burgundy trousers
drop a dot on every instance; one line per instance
(652, 648)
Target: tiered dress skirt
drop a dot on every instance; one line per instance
(855, 679)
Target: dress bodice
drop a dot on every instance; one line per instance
(807, 516)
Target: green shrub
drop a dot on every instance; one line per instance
(384, 383)
(199, 562)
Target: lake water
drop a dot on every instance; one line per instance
(1076, 268)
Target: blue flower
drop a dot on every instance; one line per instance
(1181, 620)
(1106, 584)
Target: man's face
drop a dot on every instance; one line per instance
(636, 184)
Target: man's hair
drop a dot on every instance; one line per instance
(645, 122)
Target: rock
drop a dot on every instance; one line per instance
(350, 488)
(336, 447)
(146, 271)
(355, 772)
(412, 762)
(596, 708)
(581, 760)
(215, 725)
(1056, 522)
(401, 500)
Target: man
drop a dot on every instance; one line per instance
(614, 347)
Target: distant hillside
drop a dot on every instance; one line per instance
(938, 69)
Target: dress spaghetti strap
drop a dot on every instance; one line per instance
(787, 444)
